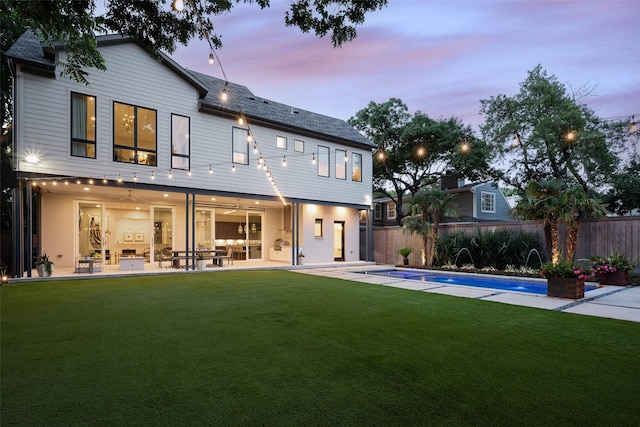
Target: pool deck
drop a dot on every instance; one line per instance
(615, 302)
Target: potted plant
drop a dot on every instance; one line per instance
(405, 252)
(201, 263)
(300, 258)
(565, 279)
(613, 269)
(44, 267)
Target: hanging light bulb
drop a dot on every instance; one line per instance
(240, 120)
(255, 149)
(240, 229)
(313, 159)
(189, 172)
(346, 157)
(233, 168)
(224, 95)
(152, 176)
(104, 180)
(211, 58)
(178, 5)
(135, 176)
(119, 179)
(170, 174)
(249, 138)
(284, 160)
(210, 169)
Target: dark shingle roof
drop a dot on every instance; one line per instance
(252, 106)
(28, 49)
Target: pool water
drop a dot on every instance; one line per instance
(489, 281)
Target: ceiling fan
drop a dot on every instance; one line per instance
(129, 197)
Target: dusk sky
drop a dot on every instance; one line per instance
(438, 56)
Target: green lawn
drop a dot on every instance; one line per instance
(279, 348)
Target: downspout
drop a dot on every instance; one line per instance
(186, 231)
(193, 230)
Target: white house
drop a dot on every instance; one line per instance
(149, 159)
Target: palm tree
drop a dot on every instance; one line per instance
(427, 208)
(580, 206)
(546, 202)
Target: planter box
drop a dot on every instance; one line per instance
(617, 278)
(561, 287)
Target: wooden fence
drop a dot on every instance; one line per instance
(596, 237)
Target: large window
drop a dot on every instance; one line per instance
(356, 167)
(341, 164)
(323, 161)
(377, 211)
(180, 145)
(318, 229)
(134, 134)
(240, 146)
(488, 202)
(83, 125)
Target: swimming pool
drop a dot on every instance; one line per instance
(486, 281)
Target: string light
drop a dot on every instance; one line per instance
(210, 169)
(313, 159)
(211, 59)
(152, 176)
(224, 95)
(240, 121)
(255, 149)
(284, 161)
(135, 177)
(170, 174)
(189, 172)
(119, 179)
(233, 168)
(178, 5)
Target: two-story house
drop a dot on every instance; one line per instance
(151, 157)
(477, 202)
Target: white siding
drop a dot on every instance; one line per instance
(135, 78)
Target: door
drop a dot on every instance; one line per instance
(254, 235)
(204, 229)
(338, 241)
(162, 223)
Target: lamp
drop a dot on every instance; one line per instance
(240, 230)
(211, 60)
(253, 227)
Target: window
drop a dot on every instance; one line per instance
(391, 210)
(83, 125)
(323, 161)
(488, 202)
(180, 146)
(298, 145)
(341, 164)
(240, 146)
(318, 228)
(281, 142)
(134, 134)
(377, 211)
(356, 167)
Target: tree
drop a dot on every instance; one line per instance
(580, 205)
(158, 25)
(415, 152)
(624, 196)
(428, 207)
(542, 133)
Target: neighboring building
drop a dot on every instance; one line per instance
(147, 159)
(477, 202)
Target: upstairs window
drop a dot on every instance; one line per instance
(180, 142)
(323, 161)
(134, 134)
(281, 142)
(341, 164)
(377, 212)
(391, 210)
(240, 146)
(298, 145)
(488, 202)
(356, 167)
(83, 125)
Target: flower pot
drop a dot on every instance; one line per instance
(201, 264)
(617, 278)
(565, 287)
(405, 261)
(42, 271)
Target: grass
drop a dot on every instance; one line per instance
(282, 348)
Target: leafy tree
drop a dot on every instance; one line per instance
(542, 133)
(581, 205)
(415, 152)
(428, 207)
(624, 196)
(157, 25)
